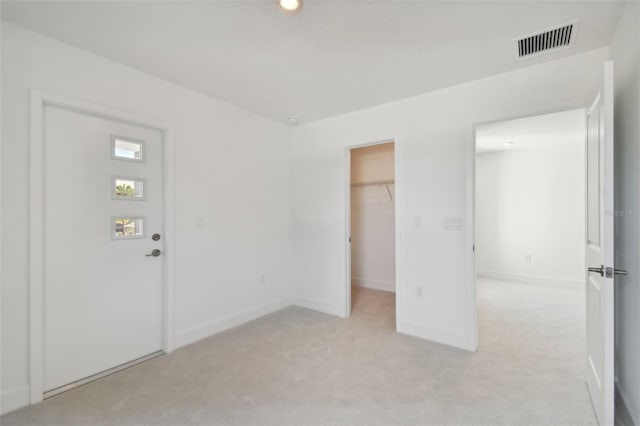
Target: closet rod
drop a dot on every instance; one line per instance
(386, 184)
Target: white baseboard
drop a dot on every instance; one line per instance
(320, 306)
(534, 279)
(374, 284)
(197, 333)
(446, 337)
(13, 399)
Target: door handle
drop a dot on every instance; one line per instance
(610, 272)
(154, 253)
(599, 270)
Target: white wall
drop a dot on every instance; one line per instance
(625, 51)
(373, 218)
(231, 169)
(433, 132)
(530, 202)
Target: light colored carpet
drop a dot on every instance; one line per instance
(300, 367)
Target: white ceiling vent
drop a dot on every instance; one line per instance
(545, 41)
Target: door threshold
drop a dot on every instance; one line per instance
(57, 391)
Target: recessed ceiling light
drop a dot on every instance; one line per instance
(509, 143)
(290, 5)
(293, 120)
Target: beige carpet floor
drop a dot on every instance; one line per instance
(300, 367)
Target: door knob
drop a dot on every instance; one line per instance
(599, 270)
(154, 253)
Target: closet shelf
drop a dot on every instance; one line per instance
(386, 184)
(375, 182)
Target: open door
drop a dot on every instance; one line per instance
(599, 252)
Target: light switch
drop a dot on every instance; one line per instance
(453, 223)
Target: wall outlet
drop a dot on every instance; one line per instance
(419, 293)
(527, 257)
(199, 222)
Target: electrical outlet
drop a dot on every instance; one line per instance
(527, 257)
(419, 293)
(199, 223)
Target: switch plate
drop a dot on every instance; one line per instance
(417, 222)
(453, 223)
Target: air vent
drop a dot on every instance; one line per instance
(548, 40)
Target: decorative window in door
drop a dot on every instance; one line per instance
(127, 149)
(123, 188)
(123, 227)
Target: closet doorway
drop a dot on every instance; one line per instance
(372, 234)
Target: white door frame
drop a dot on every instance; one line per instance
(471, 212)
(398, 224)
(36, 248)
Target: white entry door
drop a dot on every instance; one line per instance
(599, 252)
(102, 206)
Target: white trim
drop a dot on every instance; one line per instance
(389, 286)
(472, 303)
(398, 212)
(36, 279)
(320, 306)
(399, 216)
(13, 399)
(438, 335)
(532, 279)
(206, 330)
(470, 241)
(347, 289)
(168, 295)
(608, 373)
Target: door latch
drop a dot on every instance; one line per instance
(610, 272)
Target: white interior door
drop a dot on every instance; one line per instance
(102, 205)
(599, 252)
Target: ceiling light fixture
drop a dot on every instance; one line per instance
(293, 120)
(509, 143)
(290, 5)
